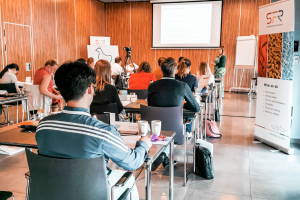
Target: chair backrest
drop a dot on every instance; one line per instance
(67, 179)
(102, 117)
(102, 108)
(9, 87)
(141, 94)
(171, 119)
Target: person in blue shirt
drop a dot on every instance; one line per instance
(75, 134)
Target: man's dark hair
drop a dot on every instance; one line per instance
(73, 78)
(160, 60)
(82, 60)
(118, 59)
(168, 66)
(180, 58)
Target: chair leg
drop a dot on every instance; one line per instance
(185, 158)
(7, 113)
(12, 196)
(28, 188)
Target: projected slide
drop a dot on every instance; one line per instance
(186, 24)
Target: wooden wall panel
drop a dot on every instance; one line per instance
(196, 56)
(230, 30)
(83, 27)
(141, 33)
(66, 41)
(117, 26)
(97, 15)
(44, 31)
(16, 11)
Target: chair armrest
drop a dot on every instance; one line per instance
(27, 175)
(123, 180)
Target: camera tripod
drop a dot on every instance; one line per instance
(128, 57)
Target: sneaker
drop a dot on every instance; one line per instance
(158, 161)
(166, 163)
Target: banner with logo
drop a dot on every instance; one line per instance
(275, 74)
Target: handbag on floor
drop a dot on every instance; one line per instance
(204, 163)
(212, 129)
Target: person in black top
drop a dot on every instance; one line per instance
(105, 92)
(184, 75)
(169, 92)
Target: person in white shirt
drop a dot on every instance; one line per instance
(8, 75)
(204, 72)
(116, 68)
(130, 68)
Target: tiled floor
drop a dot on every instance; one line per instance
(243, 170)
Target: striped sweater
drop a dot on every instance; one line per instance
(75, 134)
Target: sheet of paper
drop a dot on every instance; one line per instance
(127, 126)
(125, 103)
(204, 81)
(130, 139)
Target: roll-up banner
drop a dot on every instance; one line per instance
(275, 75)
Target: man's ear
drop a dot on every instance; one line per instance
(90, 89)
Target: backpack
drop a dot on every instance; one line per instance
(212, 129)
(204, 163)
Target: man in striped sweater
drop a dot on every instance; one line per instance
(75, 134)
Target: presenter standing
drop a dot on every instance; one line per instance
(220, 69)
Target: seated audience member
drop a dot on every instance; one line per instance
(169, 92)
(179, 60)
(43, 77)
(184, 76)
(142, 79)
(157, 73)
(81, 60)
(90, 61)
(8, 75)
(76, 81)
(203, 71)
(116, 68)
(105, 93)
(130, 69)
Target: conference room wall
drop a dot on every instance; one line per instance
(60, 29)
(130, 24)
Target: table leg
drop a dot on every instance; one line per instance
(205, 118)
(27, 109)
(171, 170)
(194, 148)
(148, 181)
(17, 111)
(220, 93)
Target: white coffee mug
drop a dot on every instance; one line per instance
(143, 127)
(156, 127)
(28, 80)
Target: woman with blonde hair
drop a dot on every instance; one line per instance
(184, 75)
(105, 93)
(204, 72)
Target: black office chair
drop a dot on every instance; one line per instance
(141, 94)
(102, 108)
(10, 88)
(171, 120)
(4, 195)
(102, 117)
(68, 179)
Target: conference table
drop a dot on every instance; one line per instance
(6, 100)
(15, 136)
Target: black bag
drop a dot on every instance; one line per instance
(204, 163)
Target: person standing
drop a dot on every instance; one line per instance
(220, 69)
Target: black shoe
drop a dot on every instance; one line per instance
(158, 161)
(166, 163)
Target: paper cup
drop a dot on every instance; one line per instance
(143, 127)
(156, 127)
